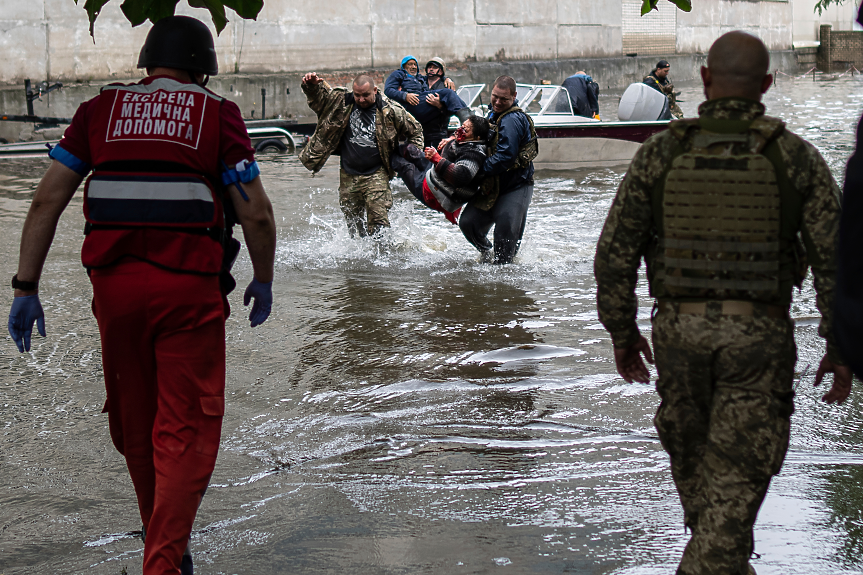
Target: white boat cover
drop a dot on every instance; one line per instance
(641, 103)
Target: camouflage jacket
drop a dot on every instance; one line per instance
(627, 232)
(392, 124)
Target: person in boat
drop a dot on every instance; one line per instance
(722, 334)
(446, 177)
(507, 185)
(364, 129)
(158, 250)
(437, 130)
(432, 107)
(584, 94)
(658, 80)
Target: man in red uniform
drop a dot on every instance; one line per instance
(169, 159)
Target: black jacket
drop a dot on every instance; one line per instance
(848, 316)
(582, 93)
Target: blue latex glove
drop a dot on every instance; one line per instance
(263, 294)
(25, 310)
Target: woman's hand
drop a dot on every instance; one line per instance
(432, 155)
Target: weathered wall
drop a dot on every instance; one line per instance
(709, 19)
(807, 21)
(839, 49)
(286, 100)
(48, 39)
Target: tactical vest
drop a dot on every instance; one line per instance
(489, 189)
(726, 216)
(152, 196)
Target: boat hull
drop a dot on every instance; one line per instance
(580, 153)
(592, 145)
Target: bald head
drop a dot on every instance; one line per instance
(737, 66)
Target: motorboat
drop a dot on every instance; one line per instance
(569, 141)
(267, 138)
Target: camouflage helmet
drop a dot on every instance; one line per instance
(438, 62)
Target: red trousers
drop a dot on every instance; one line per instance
(163, 354)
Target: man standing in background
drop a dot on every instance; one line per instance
(583, 94)
(658, 80)
(717, 206)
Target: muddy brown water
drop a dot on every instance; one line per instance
(408, 410)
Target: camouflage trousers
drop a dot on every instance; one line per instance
(726, 387)
(365, 197)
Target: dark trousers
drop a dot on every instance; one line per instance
(425, 112)
(508, 215)
(412, 173)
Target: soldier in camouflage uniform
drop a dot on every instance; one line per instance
(719, 208)
(659, 81)
(365, 129)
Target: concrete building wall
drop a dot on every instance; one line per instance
(807, 22)
(771, 21)
(49, 39)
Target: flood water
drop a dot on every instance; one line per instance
(409, 410)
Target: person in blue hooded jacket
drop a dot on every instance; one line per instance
(431, 108)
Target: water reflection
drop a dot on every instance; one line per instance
(409, 410)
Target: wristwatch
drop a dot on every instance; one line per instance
(22, 285)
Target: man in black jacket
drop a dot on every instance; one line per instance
(583, 93)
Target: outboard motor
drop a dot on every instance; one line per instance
(641, 103)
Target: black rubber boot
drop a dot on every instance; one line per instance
(463, 114)
(186, 567)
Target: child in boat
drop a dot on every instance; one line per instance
(446, 178)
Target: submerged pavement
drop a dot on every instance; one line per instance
(408, 410)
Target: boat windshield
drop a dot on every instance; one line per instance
(548, 100)
(522, 91)
(469, 93)
(559, 103)
(538, 99)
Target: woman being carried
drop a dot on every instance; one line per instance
(447, 178)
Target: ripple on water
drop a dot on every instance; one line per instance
(407, 409)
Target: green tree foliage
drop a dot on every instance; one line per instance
(685, 5)
(139, 11)
(822, 4)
